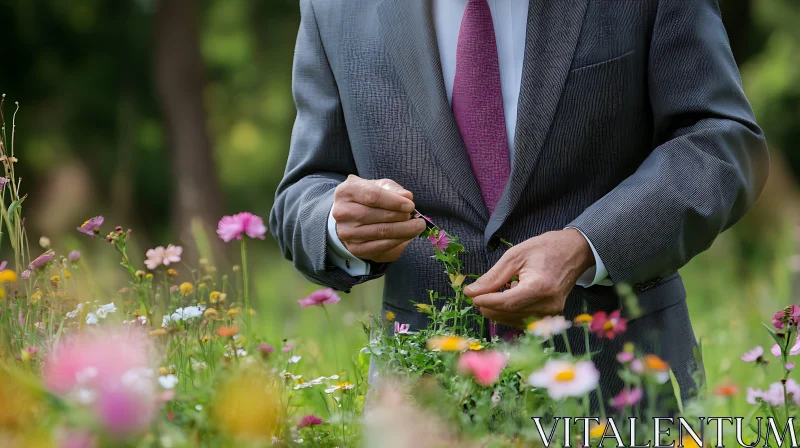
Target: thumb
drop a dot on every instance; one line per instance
(495, 278)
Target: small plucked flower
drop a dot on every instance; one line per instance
(92, 226)
(485, 367)
(235, 227)
(563, 379)
(41, 261)
(161, 256)
(754, 355)
(441, 241)
(389, 316)
(627, 397)
(320, 298)
(309, 420)
(74, 256)
(401, 328)
(448, 344)
(8, 276)
(794, 350)
(549, 326)
(186, 289)
(608, 325)
(583, 319)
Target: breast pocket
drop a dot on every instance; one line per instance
(620, 58)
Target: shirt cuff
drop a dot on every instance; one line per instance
(597, 274)
(339, 256)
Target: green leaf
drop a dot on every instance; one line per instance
(779, 340)
(15, 205)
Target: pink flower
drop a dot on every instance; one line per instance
(3, 182)
(124, 411)
(234, 227)
(624, 357)
(753, 355)
(789, 366)
(265, 349)
(794, 350)
(608, 325)
(92, 226)
(287, 348)
(320, 297)
(779, 319)
(310, 420)
(74, 256)
(158, 256)
(637, 366)
(41, 261)
(401, 328)
(75, 439)
(485, 367)
(794, 314)
(628, 397)
(441, 240)
(25, 274)
(3, 265)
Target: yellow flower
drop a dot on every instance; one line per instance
(583, 319)
(163, 371)
(457, 280)
(597, 430)
(532, 325)
(55, 279)
(248, 406)
(424, 308)
(475, 346)
(186, 288)
(628, 347)
(148, 276)
(233, 312)
(8, 276)
(687, 442)
(211, 312)
(205, 339)
(2, 293)
(214, 296)
(389, 316)
(36, 297)
(172, 272)
(448, 344)
(67, 275)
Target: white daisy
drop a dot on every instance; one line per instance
(548, 327)
(565, 379)
(168, 381)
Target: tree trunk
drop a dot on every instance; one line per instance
(180, 77)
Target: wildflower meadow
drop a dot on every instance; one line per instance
(192, 353)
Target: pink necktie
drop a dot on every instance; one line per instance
(478, 102)
(478, 105)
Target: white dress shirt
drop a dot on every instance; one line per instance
(510, 19)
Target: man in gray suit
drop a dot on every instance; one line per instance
(610, 141)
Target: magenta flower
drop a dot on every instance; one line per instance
(41, 261)
(628, 397)
(123, 411)
(441, 240)
(794, 350)
(789, 366)
(287, 348)
(160, 256)
(608, 325)
(753, 355)
(92, 226)
(485, 367)
(3, 265)
(310, 420)
(624, 357)
(25, 274)
(234, 227)
(401, 328)
(74, 256)
(778, 320)
(320, 297)
(265, 349)
(3, 182)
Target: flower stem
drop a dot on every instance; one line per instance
(333, 338)
(246, 291)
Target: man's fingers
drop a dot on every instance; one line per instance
(370, 249)
(403, 231)
(372, 195)
(514, 320)
(495, 278)
(394, 187)
(510, 300)
(361, 214)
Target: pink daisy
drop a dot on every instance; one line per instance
(92, 226)
(234, 227)
(441, 240)
(320, 297)
(310, 420)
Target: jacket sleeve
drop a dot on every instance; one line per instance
(710, 160)
(320, 158)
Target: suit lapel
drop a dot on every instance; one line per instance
(411, 42)
(552, 36)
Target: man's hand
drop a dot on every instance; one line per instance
(548, 267)
(372, 218)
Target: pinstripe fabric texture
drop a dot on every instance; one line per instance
(633, 127)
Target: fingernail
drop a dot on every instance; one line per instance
(407, 208)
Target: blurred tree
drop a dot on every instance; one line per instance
(180, 76)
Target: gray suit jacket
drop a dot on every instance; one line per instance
(633, 128)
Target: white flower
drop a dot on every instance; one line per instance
(91, 319)
(199, 366)
(549, 326)
(565, 379)
(103, 310)
(139, 379)
(199, 407)
(74, 314)
(295, 359)
(183, 314)
(168, 381)
(307, 384)
(341, 386)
